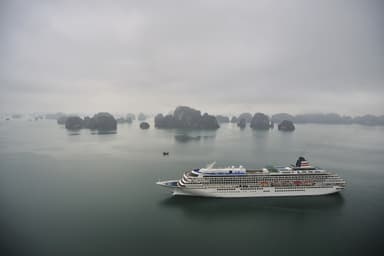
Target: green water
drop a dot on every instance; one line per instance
(65, 193)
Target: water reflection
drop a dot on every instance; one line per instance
(188, 135)
(103, 132)
(186, 138)
(251, 207)
(73, 132)
(261, 133)
(93, 132)
(183, 138)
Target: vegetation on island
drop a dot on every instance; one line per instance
(246, 116)
(260, 121)
(330, 118)
(222, 119)
(242, 123)
(286, 125)
(144, 125)
(141, 117)
(102, 121)
(186, 118)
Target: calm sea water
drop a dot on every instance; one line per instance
(64, 193)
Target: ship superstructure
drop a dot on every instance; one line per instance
(301, 179)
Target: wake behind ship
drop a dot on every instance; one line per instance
(301, 179)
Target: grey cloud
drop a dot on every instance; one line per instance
(220, 55)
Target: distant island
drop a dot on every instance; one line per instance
(330, 118)
(247, 117)
(102, 121)
(242, 123)
(222, 119)
(186, 118)
(260, 121)
(141, 117)
(286, 125)
(144, 125)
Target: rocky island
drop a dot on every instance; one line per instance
(261, 121)
(131, 117)
(141, 117)
(329, 118)
(286, 125)
(242, 123)
(186, 118)
(74, 123)
(62, 119)
(144, 125)
(246, 116)
(222, 119)
(102, 122)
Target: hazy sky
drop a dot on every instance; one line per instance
(217, 56)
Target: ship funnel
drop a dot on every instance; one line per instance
(298, 162)
(301, 162)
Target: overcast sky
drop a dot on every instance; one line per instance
(216, 56)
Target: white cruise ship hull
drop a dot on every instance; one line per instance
(295, 180)
(260, 192)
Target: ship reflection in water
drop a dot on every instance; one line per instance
(183, 138)
(255, 207)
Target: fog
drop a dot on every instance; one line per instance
(217, 56)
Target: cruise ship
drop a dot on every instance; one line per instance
(300, 179)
